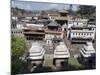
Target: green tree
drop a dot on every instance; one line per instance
(18, 48)
(70, 9)
(43, 12)
(86, 10)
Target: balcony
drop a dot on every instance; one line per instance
(53, 31)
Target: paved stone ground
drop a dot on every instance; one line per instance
(49, 60)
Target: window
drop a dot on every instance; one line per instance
(84, 23)
(90, 34)
(79, 33)
(87, 33)
(70, 22)
(76, 33)
(73, 33)
(77, 23)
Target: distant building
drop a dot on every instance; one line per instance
(51, 15)
(92, 24)
(43, 21)
(13, 24)
(14, 18)
(34, 31)
(61, 54)
(77, 22)
(19, 26)
(60, 16)
(27, 19)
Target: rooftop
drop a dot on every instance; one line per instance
(53, 23)
(63, 11)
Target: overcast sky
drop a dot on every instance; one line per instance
(28, 5)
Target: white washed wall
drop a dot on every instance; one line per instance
(84, 34)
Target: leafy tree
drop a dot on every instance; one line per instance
(86, 10)
(70, 9)
(18, 48)
(43, 12)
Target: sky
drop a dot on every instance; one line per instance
(30, 5)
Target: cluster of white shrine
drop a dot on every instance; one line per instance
(36, 54)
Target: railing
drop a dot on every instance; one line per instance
(53, 30)
(31, 32)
